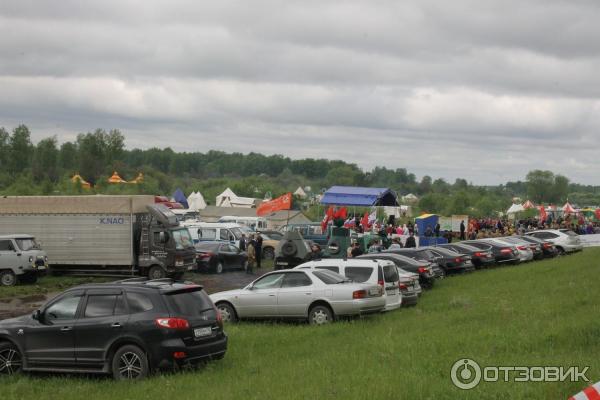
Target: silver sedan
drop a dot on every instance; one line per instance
(318, 296)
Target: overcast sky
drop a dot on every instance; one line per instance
(485, 90)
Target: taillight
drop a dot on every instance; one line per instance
(478, 254)
(402, 286)
(219, 319)
(547, 245)
(172, 323)
(359, 294)
(422, 270)
(381, 282)
(506, 251)
(179, 355)
(521, 247)
(458, 260)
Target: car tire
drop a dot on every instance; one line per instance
(130, 363)
(8, 278)
(268, 253)
(10, 359)
(288, 249)
(219, 268)
(227, 312)
(320, 315)
(561, 251)
(156, 272)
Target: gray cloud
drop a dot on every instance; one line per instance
(486, 91)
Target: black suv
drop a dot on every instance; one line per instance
(126, 328)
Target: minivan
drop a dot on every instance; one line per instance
(213, 231)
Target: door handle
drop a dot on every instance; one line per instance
(271, 295)
(116, 325)
(66, 328)
(308, 293)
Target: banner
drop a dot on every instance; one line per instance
(281, 203)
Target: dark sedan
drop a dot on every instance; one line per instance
(480, 258)
(219, 256)
(448, 260)
(548, 249)
(421, 267)
(502, 254)
(418, 256)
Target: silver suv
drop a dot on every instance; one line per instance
(21, 259)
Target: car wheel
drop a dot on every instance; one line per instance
(268, 253)
(288, 249)
(227, 312)
(561, 251)
(129, 363)
(219, 268)
(10, 359)
(320, 315)
(8, 278)
(156, 272)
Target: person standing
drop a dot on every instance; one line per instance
(410, 241)
(251, 255)
(437, 229)
(258, 241)
(462, 230)
(242, 244)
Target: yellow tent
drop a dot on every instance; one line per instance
(84, 184)
(138, 179)
(115, 178)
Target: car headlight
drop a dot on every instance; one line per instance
(30, 258)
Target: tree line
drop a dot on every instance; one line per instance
(46, 168)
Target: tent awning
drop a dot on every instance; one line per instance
(515, 208)
(359, 196)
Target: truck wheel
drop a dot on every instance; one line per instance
(8, 278)
(156, 272)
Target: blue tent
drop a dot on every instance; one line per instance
(424, 221)
(359, 196)
(179, 197)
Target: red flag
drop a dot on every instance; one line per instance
(365, 220)
(328, 216)
(543, 214)
(281, 203)
(342, 213)
(597, 213)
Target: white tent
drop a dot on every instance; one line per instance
(300, 192)
(196, 201)
(223, 200)
(230, 199)
(515, 208)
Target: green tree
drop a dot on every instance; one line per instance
(67, 158)
(20, 150)
(45, 160)
(4, 148)
(540, 185)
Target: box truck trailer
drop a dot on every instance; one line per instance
(99, 234)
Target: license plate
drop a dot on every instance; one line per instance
(199, 332)
(374, 292)
(41, 267)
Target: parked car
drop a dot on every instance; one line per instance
(310, 231)
(448, 261)
(409, 287)
(213, 231)
(126, 328)
(480, 258)
(273, 235)
(21, 260)
(269, 245)
(376, 272)
(421, 267)
(502, 253)
(317, 296)
(219, 256)
(524, 252)
(565, 240)
(536, 248)
(548, 249)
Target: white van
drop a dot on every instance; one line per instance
(183, 214)
(213, 231)
(254, 223)
(381, 272)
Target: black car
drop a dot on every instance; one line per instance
(126, 328)
(548, 248)
(480, 258)
(421, 267)
(502, 254)
(219, 256)
(448, 260)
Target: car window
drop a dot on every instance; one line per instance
(296, 279)
(121, 305)
(224, 247)
(27, 244)
(63, 309)
(6, 245)
(269, 282)
(390, 273)
(138, 302)
(568, 232)
(191, 303)
(359, 274)
(333, 269)
(207, 233)
(100, 306)
(223, 234)
(329, 278)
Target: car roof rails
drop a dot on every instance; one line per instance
(132, 280)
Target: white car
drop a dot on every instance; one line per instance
(565, 240)
(525, 252)
(319, 296)
(377, 272)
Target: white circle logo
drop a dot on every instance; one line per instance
(465, 374)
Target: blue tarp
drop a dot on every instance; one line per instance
(359, 196)
(179, 197)
(424, 221)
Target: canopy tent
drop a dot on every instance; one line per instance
(528, 204)
(359, 196)
(426, 221)
(568, 208)
(180, 198)
(196, 201)
(515, 208)
(78, 179)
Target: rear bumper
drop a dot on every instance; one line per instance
(409, 299)
(359, 306)
(209, 350)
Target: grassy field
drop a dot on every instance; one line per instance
(542, 313)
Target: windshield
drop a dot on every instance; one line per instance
(330, 277)
(237, 233)
(182, 239)
(27, 244)
(568, 232)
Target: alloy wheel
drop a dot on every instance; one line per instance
(320, 317)
(10, 361)
(130, 366)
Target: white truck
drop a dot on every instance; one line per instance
(98, 234)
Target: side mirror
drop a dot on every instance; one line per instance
(37, 315)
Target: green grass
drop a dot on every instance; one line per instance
(542, 313)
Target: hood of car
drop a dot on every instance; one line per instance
(15, 322)
(226, 294)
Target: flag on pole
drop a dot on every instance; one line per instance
(589, 393)
(365, 221)
(328, 216)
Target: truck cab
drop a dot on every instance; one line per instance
(21, 259)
